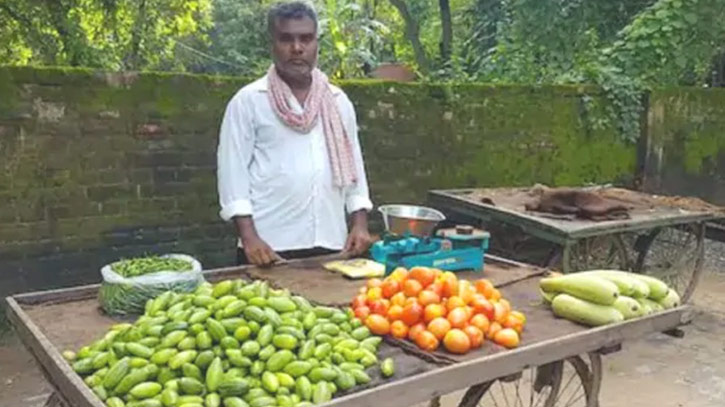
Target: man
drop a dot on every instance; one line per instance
(289, 159)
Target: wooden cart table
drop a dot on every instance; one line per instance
(557, 364)
(664, 236)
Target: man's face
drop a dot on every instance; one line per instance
(294, 47)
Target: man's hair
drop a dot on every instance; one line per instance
(290, 10)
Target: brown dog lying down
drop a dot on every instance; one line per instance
(581, 204)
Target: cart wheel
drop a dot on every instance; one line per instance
(598, 252)
(675, 255)
(580, 382)
(569, 383)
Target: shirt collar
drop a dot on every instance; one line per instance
(260, 85)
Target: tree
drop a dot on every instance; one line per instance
(349, 38)
(119, 35)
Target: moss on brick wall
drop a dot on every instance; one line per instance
(96, 166)
(419, 137)
(686, 153)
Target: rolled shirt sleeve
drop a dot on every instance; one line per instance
(357, 197)
(234, 153)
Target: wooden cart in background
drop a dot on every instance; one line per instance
(663, 237)
(557, 364)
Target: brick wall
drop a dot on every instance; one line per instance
(96, 166)
(686, 143)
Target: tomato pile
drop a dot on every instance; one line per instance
(431, 307)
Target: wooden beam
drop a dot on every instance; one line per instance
(61, 375)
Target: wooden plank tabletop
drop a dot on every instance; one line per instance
(52, 321)
(648, 211)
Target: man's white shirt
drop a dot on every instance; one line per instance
(283, 178)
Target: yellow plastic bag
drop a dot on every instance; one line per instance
(357, 268)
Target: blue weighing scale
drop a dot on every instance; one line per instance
(456, 249)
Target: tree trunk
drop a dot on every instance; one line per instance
(413, 34)
(136, 36)
(447, 34)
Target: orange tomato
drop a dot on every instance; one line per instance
(374, 282)
(433, 311)
(411, 300)
(399, 330)
(398, 299)
(377, 324)
(450, 284)
(412, 314)
(475, 335)
(456, 341)
(375, 293)
(439, 327)
(428, 297)
(436, 287)
(427, 341)
(362, 290)
(400, 275)
(495, 295)
(390, 287)
(507, 337)
(359, 301)
(521, 317)
(466, 291)
(484, 287)
(423, 275)
(500, 313)
(458, 318)
(415, 330)
(513, 323)
(395, 312)
(412, 288)
(481, 322)
(379, 307)
(362, 312)
(482, 306)
(455, 302)
(493, 330)
(506, 304)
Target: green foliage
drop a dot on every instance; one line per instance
(238, 41)
(624, 47)
(672, 42)
(349, 38)
(118, 35)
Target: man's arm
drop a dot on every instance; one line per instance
(357, 198)
(257, 250)
(234, 154)
(359, 240)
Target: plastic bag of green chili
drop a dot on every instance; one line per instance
(128, 284)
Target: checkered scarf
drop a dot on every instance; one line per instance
(320, 103)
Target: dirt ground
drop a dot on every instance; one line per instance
(655, 371)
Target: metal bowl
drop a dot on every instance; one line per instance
(415, 220)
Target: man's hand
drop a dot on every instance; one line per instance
(359, 240)
(257, 250)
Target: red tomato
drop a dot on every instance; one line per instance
(390, 288)
(359, 301)
(362, 312)
(379, 307)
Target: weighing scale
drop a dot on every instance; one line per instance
(455, 249)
